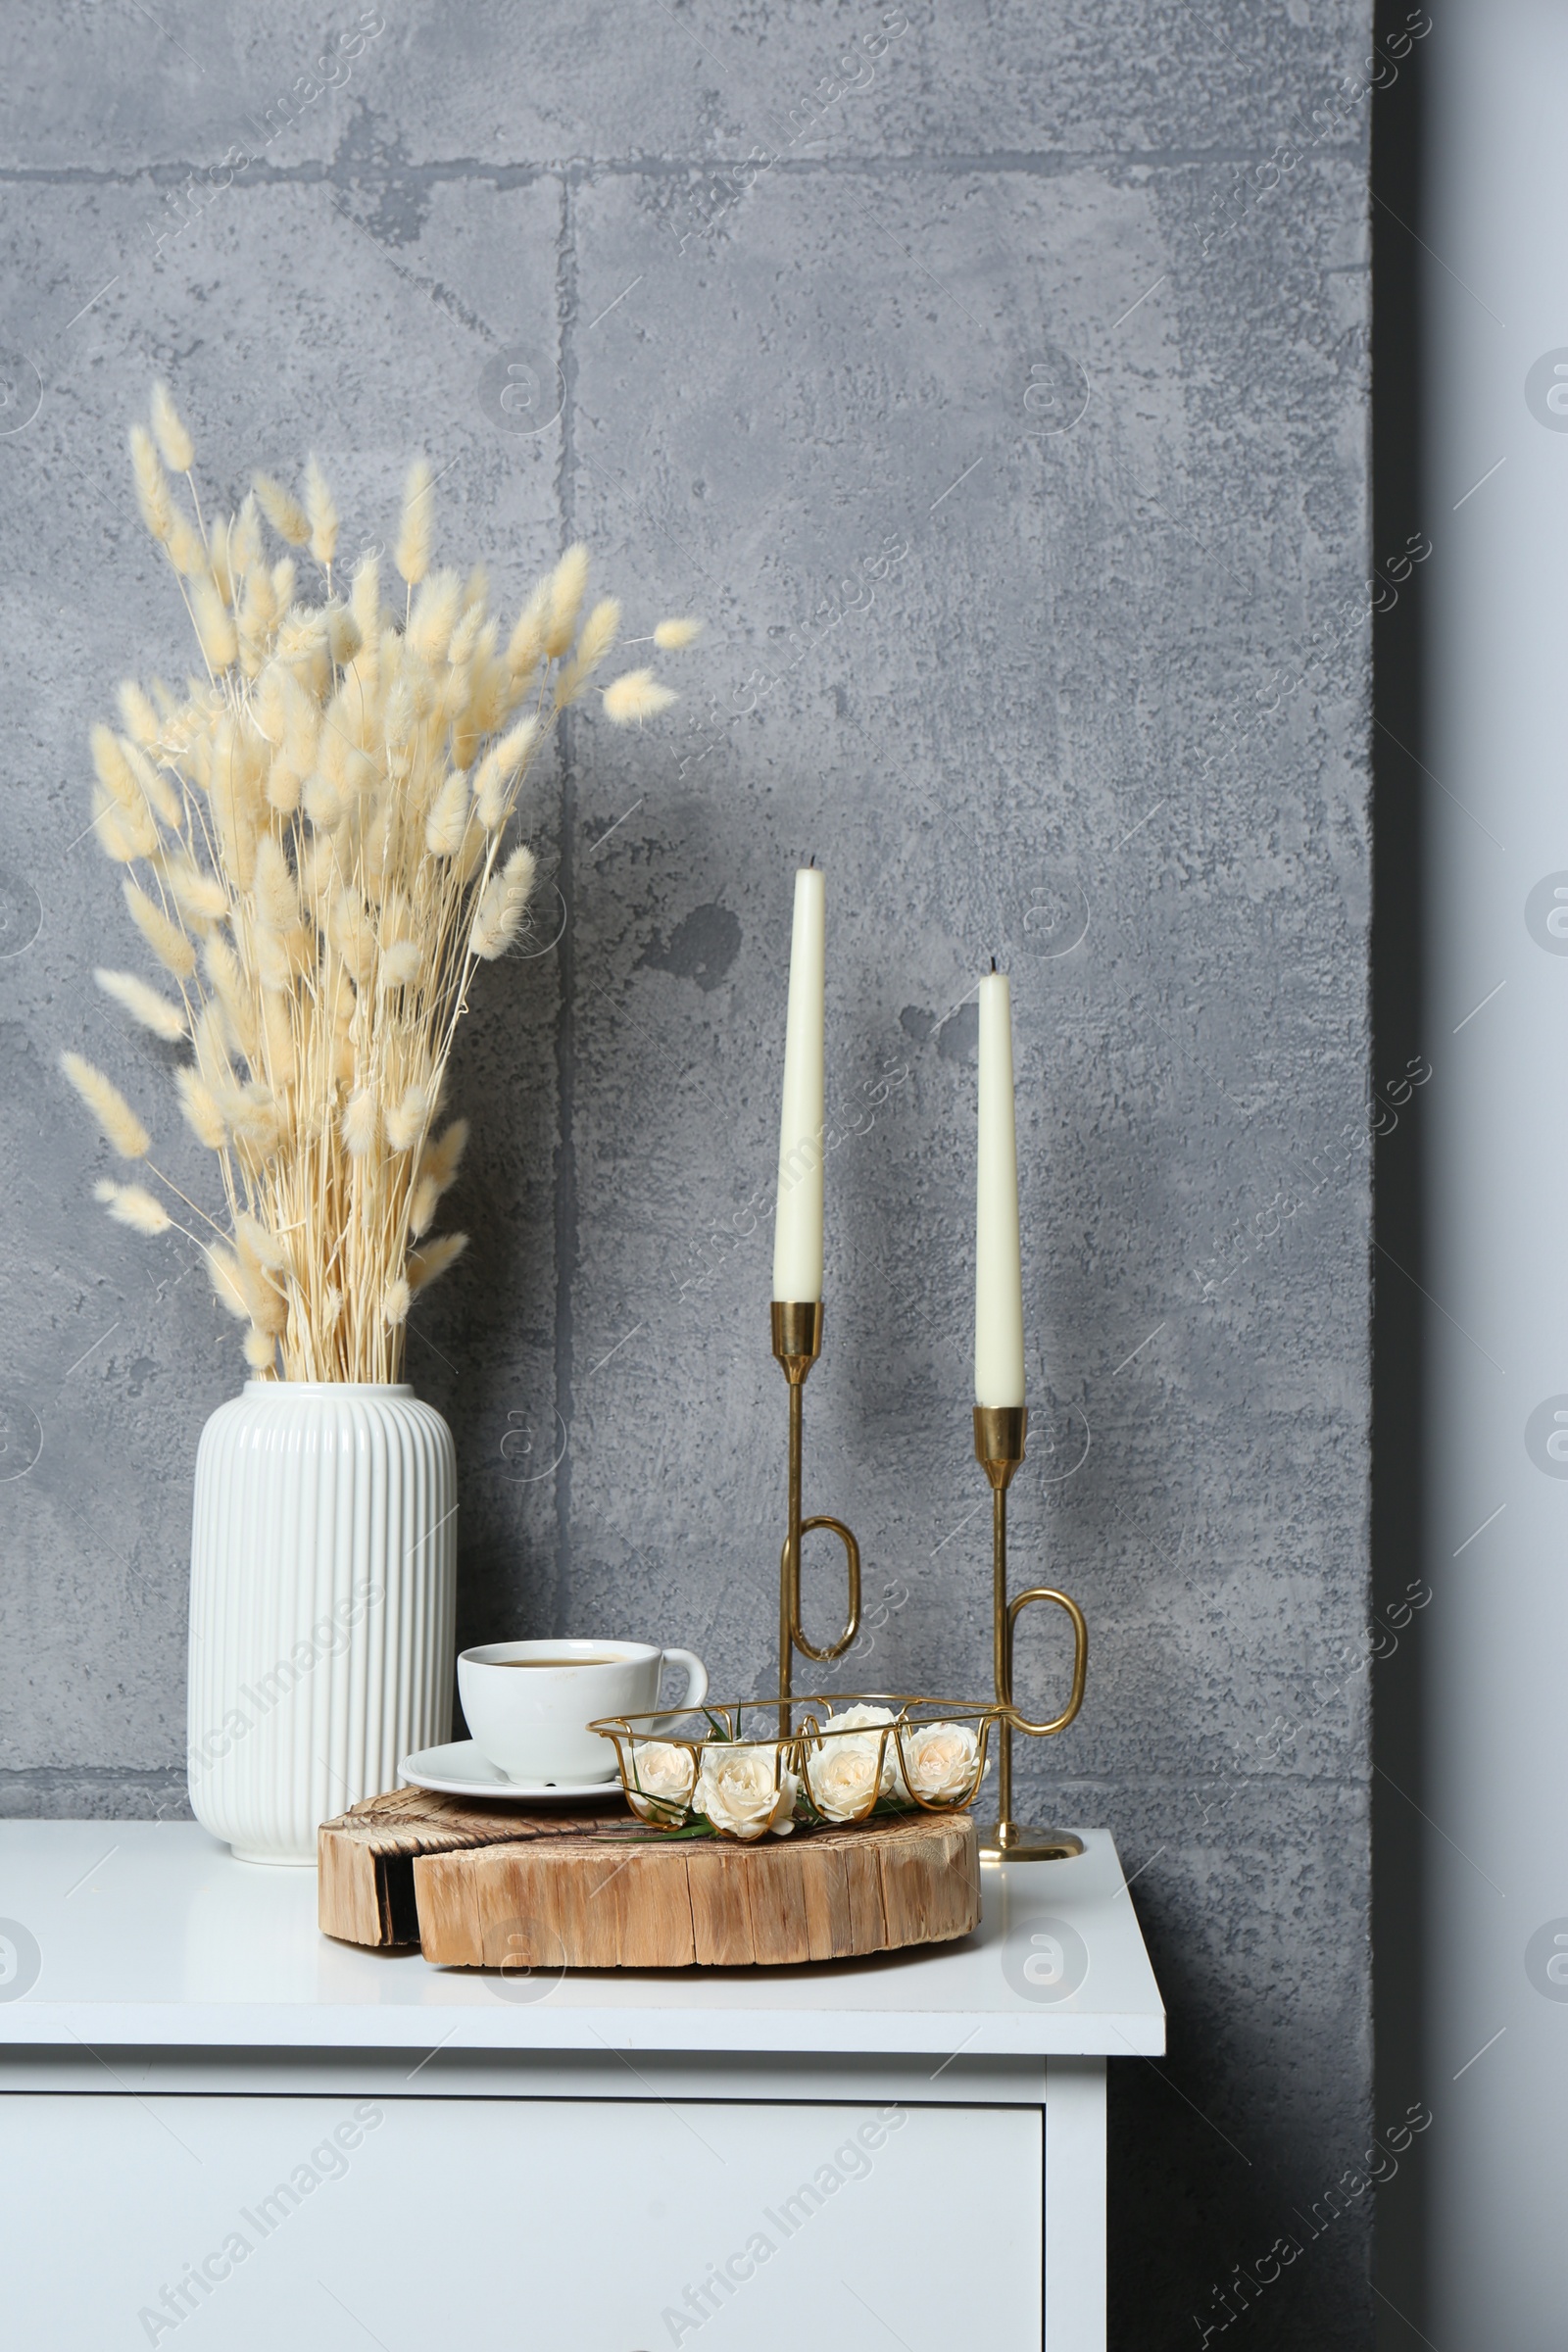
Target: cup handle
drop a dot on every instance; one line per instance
(696, 1677)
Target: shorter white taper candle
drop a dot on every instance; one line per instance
(997, 1263)
(798, 1215)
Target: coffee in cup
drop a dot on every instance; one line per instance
(533, 1724)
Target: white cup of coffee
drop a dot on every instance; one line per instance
(528, 1704)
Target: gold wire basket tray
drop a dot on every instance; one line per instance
(820, 1762)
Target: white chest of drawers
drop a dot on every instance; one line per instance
(223, 2132)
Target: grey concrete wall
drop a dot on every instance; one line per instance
(999, 397)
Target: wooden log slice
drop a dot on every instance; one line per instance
(482, 1886)
(575, 1901)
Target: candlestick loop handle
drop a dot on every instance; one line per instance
(791, 1565)
(1079, 1662)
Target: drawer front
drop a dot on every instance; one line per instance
(242, 2223)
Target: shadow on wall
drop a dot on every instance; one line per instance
(1398, 162)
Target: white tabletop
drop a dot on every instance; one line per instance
(150, 1934)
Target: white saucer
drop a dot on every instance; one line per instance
(459, 1770)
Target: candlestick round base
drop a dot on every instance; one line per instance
(1012, 1842)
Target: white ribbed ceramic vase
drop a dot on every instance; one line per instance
(322, 1605)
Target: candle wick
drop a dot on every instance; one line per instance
(993, 964)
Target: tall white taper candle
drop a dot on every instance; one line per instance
(798, 1217)
(998, 1267)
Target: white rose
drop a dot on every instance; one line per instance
(939, 1758)
(661, 1776)
(853, 1767)
(745, 1789)
(844, 1776)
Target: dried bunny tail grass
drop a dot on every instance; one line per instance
(634, 696)
(525, 649)
(435, 616)
(434, 1257)
(152, 485)
(501, 907)
(567, 584)
(277, 956)
(221, 559)
(111, 769)
(253, 1122)
(236, 1000)
(320, 509)
(398, 715)
(448, 820)
(200, 1106)
(324, 802)
(256, 621)
(407, 1121)
(167, 941)
(599, 633)
(168, 426)
(424, 1202)
(121, 1128)
(318, 874)
(143, 1004)
(272, 703)
(411, 555)
(322, 812)
(264, 1269)
(128, 776)
(360, 1123)
(400, 966)
(283, 510)
(441, 1159)
(465, 636)
(223, 1267)
(260, 1250)
(278, 1030)
(199, 896)
(132, 1204)
(344, 636)
(186, 551)
(142, 722)
(283, 787)
(245, 552)
(154, 785)
(214, 627)
(123, 834)
(497, 773)
(352, 934)
(674, 636)
(397, 919)
(275, 890)
(212, 1041)
(365, 597)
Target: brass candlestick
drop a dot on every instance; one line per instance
(998, 1442)
(797, 1343)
